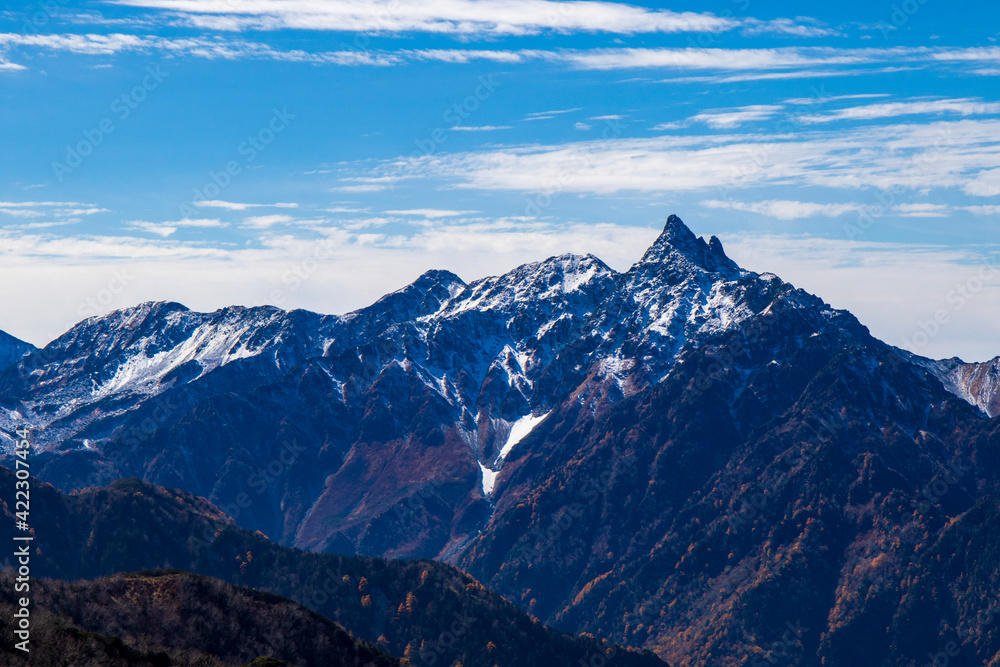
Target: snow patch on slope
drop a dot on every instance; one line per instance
(519, 430)
(489, 479)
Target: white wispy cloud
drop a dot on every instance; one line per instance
(730, 59)
(796, 210)
(800, 27)
(992, 209)
(736, 117)
(361, 188)
(961, 154)
(158, 228)
(481, 128)
(267, 221)
(922, 210)
(200, 222)
(794, 58)
(165, 229)
(468, 55)
(18, 247)
(975, 54)
(37, 204)
(743, 64)
(22, 212)
(807, 73)
(372, 183)
(462, 17)
(431, 213)
(43, 225)
(198, 47)
(673, 125)
(91, 210)
(543, 115)
(236, 206)
(986, 184)
(823, 99)
(50, 209)
(961, 106)
(346, 209)
(785, 209)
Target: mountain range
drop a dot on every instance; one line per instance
(686, 457)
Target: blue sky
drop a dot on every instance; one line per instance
(319, 154)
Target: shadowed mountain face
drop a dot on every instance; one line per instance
(686, 456)
(176, 618)
(12, 349)
(426, 611)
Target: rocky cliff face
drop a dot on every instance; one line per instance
(979, 384)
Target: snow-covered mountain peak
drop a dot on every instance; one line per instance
(140, 314)
(426, 295)
(553, 279)
(677, 254)
(151, 327)
(436, 282)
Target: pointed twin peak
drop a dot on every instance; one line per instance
(677, 243)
